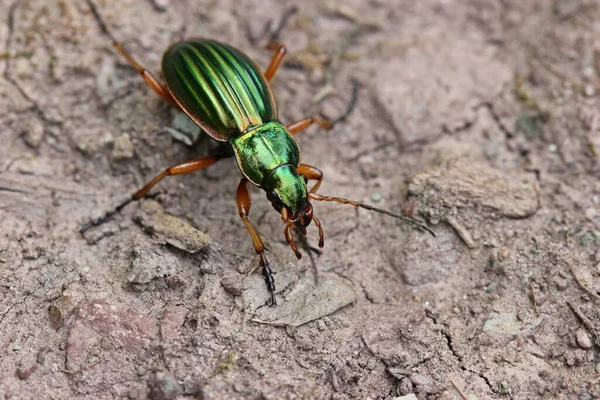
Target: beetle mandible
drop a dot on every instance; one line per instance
(225, 93)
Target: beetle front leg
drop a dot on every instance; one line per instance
(243, 204)
(148, 76)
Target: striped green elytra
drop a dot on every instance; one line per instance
(219, 87)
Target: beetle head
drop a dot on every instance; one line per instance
(286, 190)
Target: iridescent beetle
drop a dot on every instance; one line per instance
(229, 97)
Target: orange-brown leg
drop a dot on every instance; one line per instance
(280, 52)
(150, 79)
(244, 203)
(311, 173)
(178, 169)
(301, 125)
(287, 231)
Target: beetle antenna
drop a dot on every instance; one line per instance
(412, 222)
(100, 20)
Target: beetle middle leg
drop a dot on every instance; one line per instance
(244, 203)
(178, 169)
(148, 76)
(301, 125)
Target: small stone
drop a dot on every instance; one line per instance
(34, 133)
(172, 230)
(232, 285)
(590, 214)
(161, 5)
(163, 386)
(583, 339)
(41, 355)
(123, 148)
(376, 197)
(56, 317)
(589, 90)
(321, 325)
(25, 372)
(183, 128)
(561, 284)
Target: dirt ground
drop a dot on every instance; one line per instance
(481, 118)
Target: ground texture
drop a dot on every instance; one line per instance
(481, 118)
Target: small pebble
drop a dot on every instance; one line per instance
(34, 133)
(321, 325)
(123, 148)
(232, 286)
(583, 339)
(561, 284)
(163, 386)
(589, 90)
(23, 373)
(376, 197)
(590, 213)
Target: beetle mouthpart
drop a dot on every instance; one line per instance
(305, 216)
(288, 236)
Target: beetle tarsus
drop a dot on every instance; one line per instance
(105, 217)
(270, 281)
(351, 105)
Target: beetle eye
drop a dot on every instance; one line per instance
(274, 199)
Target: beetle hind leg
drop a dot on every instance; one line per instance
(183, 168)
(148, 76)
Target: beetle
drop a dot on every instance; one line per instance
(227, 95)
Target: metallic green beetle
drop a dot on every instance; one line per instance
(229, 97)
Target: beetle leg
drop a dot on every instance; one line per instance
(301, 125)
(321, 233)
(244, 203)
(280, 52)
(311, 173)
(183, 168)
(150, 79)
(287, 231)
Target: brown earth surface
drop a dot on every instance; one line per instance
(481, 118)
